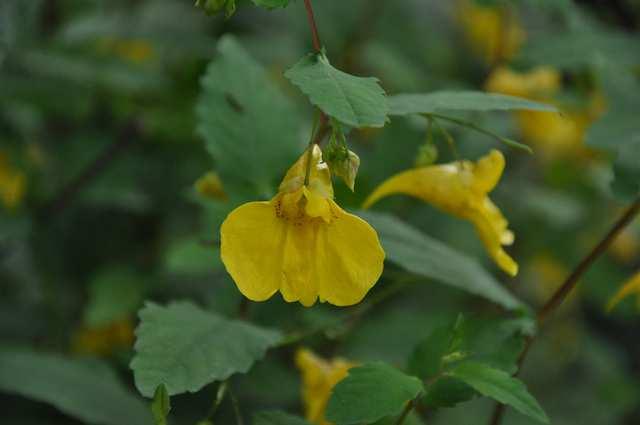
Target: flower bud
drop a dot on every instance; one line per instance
(210, 186)
(344, 163)
(427, 155)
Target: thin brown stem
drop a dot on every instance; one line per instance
(317, 45)
(585, 264)
(569, 284)
(407, 409)
(65, 197)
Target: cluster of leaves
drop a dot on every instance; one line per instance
(86, 248)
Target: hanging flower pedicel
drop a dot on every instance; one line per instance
(319, 376)
(301, 243)
(460, 189)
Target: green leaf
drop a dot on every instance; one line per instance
(617, 128)
(500, 386)
(186, 348)
(371, 392)
(271, 4)
(161, 405)
(86, 390)
(420, 254)
(426, 103)
(426, 361)
(277, 417)
(113, 295)
(249, 127)
(578, 49)
(355, 101)
(447, 392)
(626, 170)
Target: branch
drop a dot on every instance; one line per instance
(569, 284)
(317, 45)
(65, 197)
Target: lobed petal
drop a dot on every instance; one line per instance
(299, 264)
(251, 247)
(487, 172)
(491, 227)
(349, 259)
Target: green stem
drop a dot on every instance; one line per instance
(447, 136)
(472, 126)
(312, 143)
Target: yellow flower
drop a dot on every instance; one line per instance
(210, 186)
(318, 379)
(104, 340)
(626, 246)
(631, 287)
(461, 189)
(539, 83)
(12, 184)
(553, 134)
(133, 50)
(493, 33)
(301, 243)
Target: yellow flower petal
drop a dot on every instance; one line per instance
(351, 258)
(631, 287)
(319, 175)
(460, 189)
(539, 83)
(251, 241)
(319, 376)
(12, 184)
(210, 186)
(553, 134)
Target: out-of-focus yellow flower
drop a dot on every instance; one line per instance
(493, 33)
(539, 83)
(631, 287)
(301, 243)
(210, 186)
(461, 189)
(319, 376)
(553, 134)
(549, 274)
(626, 246)
(13, 184)
(133, 50)
(104, 340)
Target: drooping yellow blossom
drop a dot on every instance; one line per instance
(133, 50)
(301, 243)
(12, 184)
(461, 189)
(104, 340)
(631, 287)
(554, 134)
(319, 376)
(493, 33)
(210, 186)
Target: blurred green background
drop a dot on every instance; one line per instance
(101, 148)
